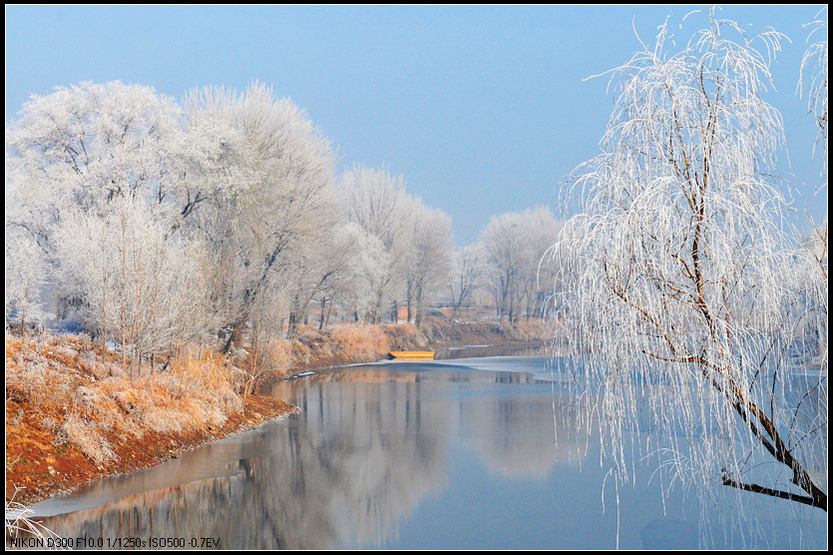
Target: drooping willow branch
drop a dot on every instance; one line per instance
(752, 416)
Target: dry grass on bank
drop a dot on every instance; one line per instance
(353, 343)
(344, 344)
(360, 343)
(73, 413)
(357, 343)
(76, 394)
(80, 396)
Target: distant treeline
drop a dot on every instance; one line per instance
(154, 224)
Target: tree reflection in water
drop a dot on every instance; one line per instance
(371, 447)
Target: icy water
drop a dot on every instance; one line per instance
(479, 453)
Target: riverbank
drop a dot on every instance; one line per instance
(75, 414)
(352, 344)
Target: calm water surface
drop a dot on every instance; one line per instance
(467, 453)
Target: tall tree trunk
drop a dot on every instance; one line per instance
(294, 314)
(321, 317)
(418, 317)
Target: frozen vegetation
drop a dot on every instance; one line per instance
(684, 278)
(152, 225)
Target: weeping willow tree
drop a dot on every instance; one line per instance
(683, 287)
(814, 71)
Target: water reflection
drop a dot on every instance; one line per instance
(404, 455)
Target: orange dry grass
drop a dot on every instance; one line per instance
(529, 330)
(272, 360)
(405, 336)
(359, 343)
(80, 395)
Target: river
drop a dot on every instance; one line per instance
(465, 453)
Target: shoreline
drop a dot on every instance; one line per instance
(73, 470)
(38, 467)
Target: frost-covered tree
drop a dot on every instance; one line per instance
(377, 202)
(77, 151)
(87, 144)
(353, 287)
(26, 264)
(463, 277)
(513, 247)
(25, 277)
(257, 184)
(503, 242)
(814, 250)
(87, 255)
(427, 255)
(538, 270)
(814, 70)
(313, 264)
(684, 286)
(336, 268)
(141, 288)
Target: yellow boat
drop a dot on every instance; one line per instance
(412, 355)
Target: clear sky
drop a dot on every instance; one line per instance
(483, 109)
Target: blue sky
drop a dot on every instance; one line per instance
(483, 109)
